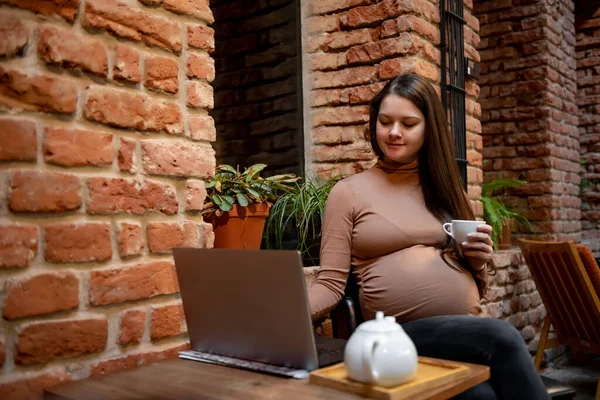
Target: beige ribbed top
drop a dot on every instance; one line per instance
(377, 226)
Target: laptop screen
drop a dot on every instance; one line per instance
(247, 304)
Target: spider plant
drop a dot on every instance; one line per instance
(296, 218)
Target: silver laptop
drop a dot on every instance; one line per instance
(249, 309)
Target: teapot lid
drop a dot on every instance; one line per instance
(380, 324)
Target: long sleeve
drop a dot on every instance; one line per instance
(336, 245)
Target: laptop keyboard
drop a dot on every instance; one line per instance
(245, 364)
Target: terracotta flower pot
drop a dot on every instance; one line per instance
(241, 228)
(505, 238)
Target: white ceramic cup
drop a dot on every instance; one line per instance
(459, 229)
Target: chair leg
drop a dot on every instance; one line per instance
(598, 390)
(543, 341)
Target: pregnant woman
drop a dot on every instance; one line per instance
(384, 226)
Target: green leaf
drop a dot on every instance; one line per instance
(253, 171)
(228, 199)
(226, 203)
(253, 193)
(226, 168)
(492, 217)
(218, 200)
(242, 200)
(490, 187)
(285, 178)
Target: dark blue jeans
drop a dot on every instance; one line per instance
(485, 341)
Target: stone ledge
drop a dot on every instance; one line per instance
(506, 258)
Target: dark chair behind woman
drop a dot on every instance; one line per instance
(347, 315)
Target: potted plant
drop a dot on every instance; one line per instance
(296, 219)
(497, 214)
(238, 204)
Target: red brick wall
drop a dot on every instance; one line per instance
(105, 139)
(353, 48)
(529, 115)
(513, 296)
(257, 111)
(587, 25)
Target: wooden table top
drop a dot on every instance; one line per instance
(184, 379)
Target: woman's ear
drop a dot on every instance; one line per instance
(367, 133)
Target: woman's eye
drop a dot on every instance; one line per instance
(384, 122)
(409, 125)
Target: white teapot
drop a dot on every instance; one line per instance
(381, 353)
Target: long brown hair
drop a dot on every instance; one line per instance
(438, 171)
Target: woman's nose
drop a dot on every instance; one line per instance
(396, 130)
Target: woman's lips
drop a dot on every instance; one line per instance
(396, 144)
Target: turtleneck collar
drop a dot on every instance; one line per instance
(391, 167)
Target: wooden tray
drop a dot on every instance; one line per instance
(431, 373)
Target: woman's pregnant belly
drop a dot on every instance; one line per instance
(416, 283)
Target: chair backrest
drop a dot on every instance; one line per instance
(567, 292)
(347, 315)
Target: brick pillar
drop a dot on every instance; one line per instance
(256, 89)
(529, 115)
(104, 145)
(587, 25)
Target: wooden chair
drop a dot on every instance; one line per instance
(571, 301)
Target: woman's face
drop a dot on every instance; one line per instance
(400, 129)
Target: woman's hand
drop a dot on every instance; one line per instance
(479, 247)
